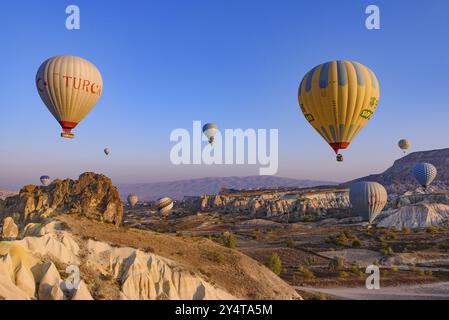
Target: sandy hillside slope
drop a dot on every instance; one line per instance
(236, 273)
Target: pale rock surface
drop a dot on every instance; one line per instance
(145, 276)
(10, 231)
(50, 284)
(419, 215)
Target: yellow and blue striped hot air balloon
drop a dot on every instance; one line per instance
(338, 98)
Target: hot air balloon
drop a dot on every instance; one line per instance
(70, 87)
(107, 151)
(133, 199)
(164, 205)
(45, 180)
(404, 144)
(338, 98)
(425, 173)
(368, 199)
(210, 130)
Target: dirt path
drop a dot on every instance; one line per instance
(431, 291)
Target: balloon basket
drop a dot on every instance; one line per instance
(67, 135)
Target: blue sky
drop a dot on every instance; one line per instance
(235, 63)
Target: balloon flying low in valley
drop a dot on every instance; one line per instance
(132, 200)
(368, 199)
(164, 206)
(70, 87)
(338, 98)
(424, 173)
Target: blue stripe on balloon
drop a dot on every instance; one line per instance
(359, 73)
(342, 74)
(324, 75)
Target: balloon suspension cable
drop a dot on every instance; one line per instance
(67, 135)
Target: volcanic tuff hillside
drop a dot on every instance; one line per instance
(196, 187)
(399, 177)
(45, 229)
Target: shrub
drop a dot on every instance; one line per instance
(356, 243)
(337, 263)
(387, 251)
(428, 273)
(394, 269)
(274, 263)
(229, 240)
(406, 230)
(290, 243)
(343, 275)
(310, 260)
(215, 257)
(342, 239)
(306, 273)
(432, 229)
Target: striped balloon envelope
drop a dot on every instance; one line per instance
(164, 205)
(368, 199)
(338, 98)
(425, 173)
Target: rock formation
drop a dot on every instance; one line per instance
(10, 231)
(92, 195)
(419, 215)
(399, 178)
(274, 203)
(28, 270)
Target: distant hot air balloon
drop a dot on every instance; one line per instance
(107, 151)
(210, 130)
(425, 173)
(404, 144)
(70, 87)
(45, 180)
(164, 205)
(338, 98)
(368, 199)
(133, 199)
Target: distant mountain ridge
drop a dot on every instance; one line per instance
(399, 177)
(212, 185)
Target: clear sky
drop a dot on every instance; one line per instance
(237, 63)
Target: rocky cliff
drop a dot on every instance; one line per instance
(399, 178)
(92, 195)
(273, 203)
(50, 263)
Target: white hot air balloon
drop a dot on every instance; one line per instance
(404, 144)
(133, 199)
(210, 130)
(70, 87)
(164, 206)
